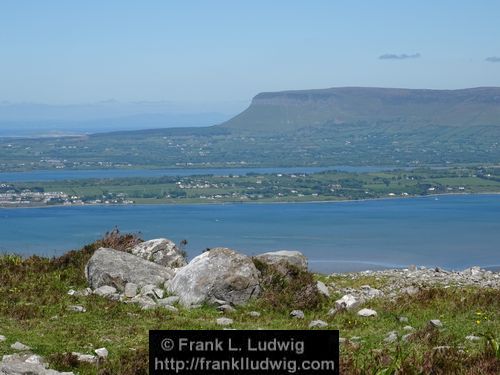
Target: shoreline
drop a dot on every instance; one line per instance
(250, 203)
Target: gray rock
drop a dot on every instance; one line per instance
(406, 337)
(170, 308)
(226, 308)
(105, 291)
(20, 346)
(410, 290)
(117, 268)
(323, 289)
(367, 313)
(144, 301)
(26, 365)
(436, 323)
(101, 352)
(254, 314)
(77, 308)
(297, 314)
(347, 302)
(391, 337)
(131, 290)
(172, 300)
(277, 258)
(403, 319)
(161, 251)
(318, 324)
(224, 321)
(218, 274)
(87, 358)
(408, 328)
(3, 338)
(472, 338)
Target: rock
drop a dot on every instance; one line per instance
(16, 364)
(410, 290)
(168, 301)
(117, 268)
(71, 292)
(20, 346)
(226, 308)
(472, 338)
(220, 273)
(323, 289)
(297, 314)
(3, 338)
(77, 308)
(131, 290)
(161, 251)
(149, 291)
(144, 301)
(224, 321)
(473, 271)
(87, 358)
(318, 324)
(403, 319)
(391, 337)
(408, 328)
(347, 302)
(101, 352)
(284, 257)
(254, 314)
(367, 312)
(407, 337)
(436, 323)
(105, 291)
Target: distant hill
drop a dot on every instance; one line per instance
(292, 110)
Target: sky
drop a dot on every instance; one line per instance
(222, 52)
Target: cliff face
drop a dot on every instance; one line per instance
(289, 110)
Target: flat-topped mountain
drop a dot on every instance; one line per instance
(289, 110)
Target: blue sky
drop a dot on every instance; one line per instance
(223, 51)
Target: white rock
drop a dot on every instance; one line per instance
(101, 352)
(35, 359)
(408, 328)
(20, 346)
(318, 324)
(436, 323)
(71, 292)
(158, 292)
(224, 321)
(77, 308)
(105, 290)
(403, 319)
(87, 358)
(161, 251)
(347, 302)
(298, 314)
(254, 314)
(391, 337)
(367, 312)
(168, 301)
(226, 308)
(131, 290)
(2, 338)
(472, 338)
(323, 289)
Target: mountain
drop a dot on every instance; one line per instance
(292, 110)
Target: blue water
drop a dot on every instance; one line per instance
(452, 232)
(51, 175)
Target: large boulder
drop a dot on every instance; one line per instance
(218, 274)
(161, 251)
(283, 258)
(27, 364)
(117, 268)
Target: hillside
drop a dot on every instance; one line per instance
(291, 110)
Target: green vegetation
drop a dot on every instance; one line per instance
(324, 186)
(33, 310)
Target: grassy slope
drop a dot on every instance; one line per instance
(34, 301)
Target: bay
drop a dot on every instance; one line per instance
(452, 232)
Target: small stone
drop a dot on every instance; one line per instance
(105, 290)
(254, 314)
(436, 323)
(403, 319)
(342, 340)
(408, 328)
(20, 346)
(410, 290)
(323, 289)
(2, 338)
(472, 338)
(406, 337)
(391, 337)
(158, 292)
(297, 314)
(168, 301)
(71, 292)
(226, 308)
(367, 312)
(148, 290)
(224, 321)
(347, 302)
(130, 290)
(101, 352)
(318, 324)
(77, 308)
(87, 358)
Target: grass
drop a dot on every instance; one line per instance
(34, 302)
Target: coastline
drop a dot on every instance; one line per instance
(250, 203)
